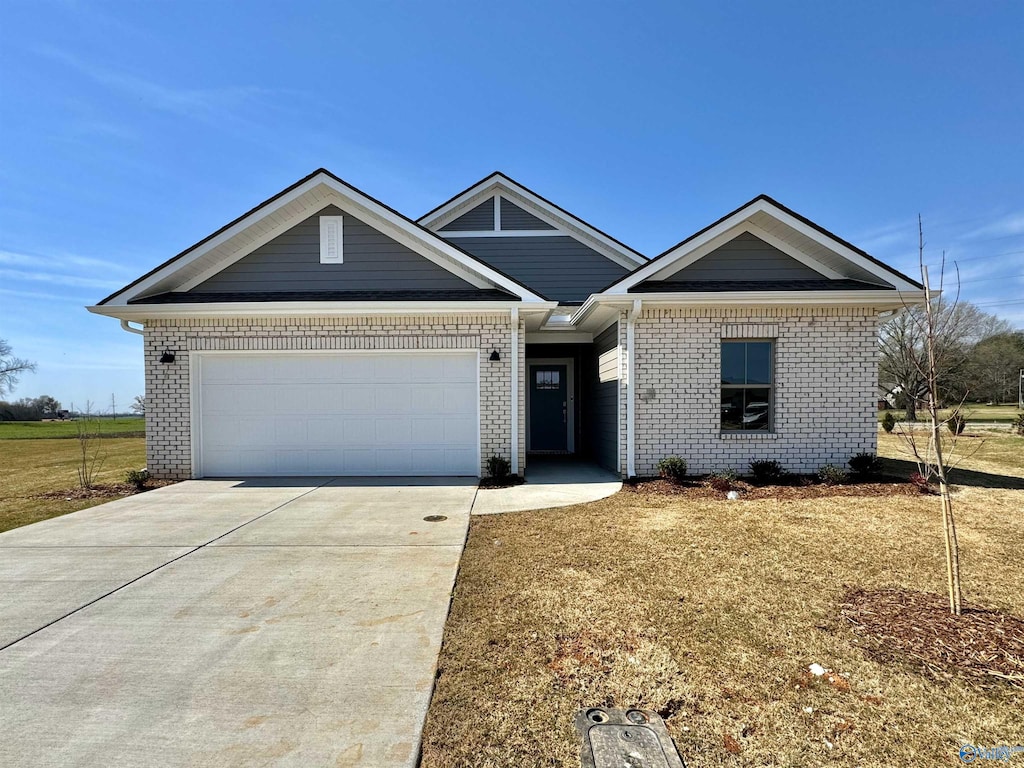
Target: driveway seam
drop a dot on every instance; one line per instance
(154, 570)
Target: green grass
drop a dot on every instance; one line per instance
(31, 467)
(1004, 413)
(128, 426)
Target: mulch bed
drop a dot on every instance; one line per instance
(917, 628)
(113, 491)
(505, 482)
(699, 489)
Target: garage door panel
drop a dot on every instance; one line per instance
(338, 413)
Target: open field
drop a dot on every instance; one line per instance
(995, 452)
(1004, 413)
(129, 426)
(711, 611)
(32, 467)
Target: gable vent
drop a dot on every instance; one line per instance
(331, 240)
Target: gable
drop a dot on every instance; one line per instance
(479, 219)
(515, 218)
(745, 257)
(372, 262)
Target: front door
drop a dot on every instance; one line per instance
(549, 408)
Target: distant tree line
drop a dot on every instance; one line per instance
(31, 409)
(978, 357)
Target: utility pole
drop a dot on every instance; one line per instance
(113, 408)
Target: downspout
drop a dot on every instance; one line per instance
(515, 390)
(631, 388)
(124, 324)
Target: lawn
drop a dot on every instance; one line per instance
(31, 467)
(1004, 413)
(711, 612)
(128, 426)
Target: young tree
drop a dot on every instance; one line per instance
(11, 368)
(934, 460)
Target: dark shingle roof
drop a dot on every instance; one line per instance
(264, 296)
(716, 286)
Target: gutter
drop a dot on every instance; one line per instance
(631, 387)
(514, 313)
(125, 326)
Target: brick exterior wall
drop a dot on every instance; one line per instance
(168, 386)
(825, 378)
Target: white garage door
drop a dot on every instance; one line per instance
(338, 413)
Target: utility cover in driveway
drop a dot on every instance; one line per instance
(337, 413)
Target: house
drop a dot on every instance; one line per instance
(325, 333)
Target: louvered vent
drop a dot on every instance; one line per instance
(331, 240)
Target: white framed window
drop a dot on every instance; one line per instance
(332, 239)
(747, 386)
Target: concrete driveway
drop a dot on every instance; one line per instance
(229, 623)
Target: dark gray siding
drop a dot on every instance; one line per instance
(479, 219)
(372, 261)
(746, 257)
(559, 267)
(514, 217)
(601, 405)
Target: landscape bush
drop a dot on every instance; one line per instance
(767, 472)
(137, 478)
(722, 480)
(1018, 425)
(499, 468)
(957, 422)
(888, 422)
(830, 474)
(865, 465)
(672, 468)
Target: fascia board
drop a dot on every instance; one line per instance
(309, 309)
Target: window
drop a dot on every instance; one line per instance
(746, 386)
(548, 379)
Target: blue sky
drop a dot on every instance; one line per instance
(128, 131)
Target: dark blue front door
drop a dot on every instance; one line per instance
(549, 404)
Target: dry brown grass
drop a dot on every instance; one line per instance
(711, 611)
(29, 468)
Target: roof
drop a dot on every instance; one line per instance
(697, 286)
(424, 234)
(172, 297)
(666, 256)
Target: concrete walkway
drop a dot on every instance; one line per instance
(550, 482)
(229, 623)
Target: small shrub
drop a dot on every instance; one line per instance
(499, 468)
(888, 422)
(865, 465)
(1018, 425)
(767, 472)
(137, 477)
(672, 468)
(919, 481)
(722, 480)
(830, 474)
(957, 422)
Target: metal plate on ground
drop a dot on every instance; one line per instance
(625, 738)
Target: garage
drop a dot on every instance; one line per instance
(335, 413)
